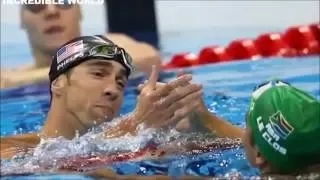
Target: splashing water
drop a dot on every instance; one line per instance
(49, 153)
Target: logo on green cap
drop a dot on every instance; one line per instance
(280, 125)
(277, 127)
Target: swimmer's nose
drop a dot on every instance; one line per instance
(111, 92)
(51, 11)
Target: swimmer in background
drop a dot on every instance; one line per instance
(88, 76)
(50, 26)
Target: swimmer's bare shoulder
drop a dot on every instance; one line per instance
(27, 67)
(11, 145)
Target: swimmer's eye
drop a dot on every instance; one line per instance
(121, 84)
(97, 73)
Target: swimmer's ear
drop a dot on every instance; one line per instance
(260, 161)
(58, 85)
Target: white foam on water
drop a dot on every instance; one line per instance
(50, 150)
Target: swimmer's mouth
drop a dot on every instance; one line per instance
(54, 29)
(105, 108)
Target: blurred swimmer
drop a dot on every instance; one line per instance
(50, 26)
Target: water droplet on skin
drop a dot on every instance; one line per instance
(77, 134)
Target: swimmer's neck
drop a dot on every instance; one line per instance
(60, 122)
(310, 169)
(313, 169)
(42, 58)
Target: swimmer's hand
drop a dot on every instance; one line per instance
(165, 105)
(160, 104)
(202, 120)
(187, 123)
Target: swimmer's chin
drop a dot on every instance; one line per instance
(96, 120)
(102, 114)
(100, 120)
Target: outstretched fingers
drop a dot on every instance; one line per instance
(153, 78)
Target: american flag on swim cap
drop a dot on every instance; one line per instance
(78, 49)
(69, 50)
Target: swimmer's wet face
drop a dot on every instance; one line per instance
(88, 75)
(94, 92)
(51, 26)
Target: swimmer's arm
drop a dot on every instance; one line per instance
(11, 145)
(127, 126)
(204, 121)
(218, 126)
(145, 58)
(7, 148)
(21, 77)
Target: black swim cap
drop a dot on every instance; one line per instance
(85, 48)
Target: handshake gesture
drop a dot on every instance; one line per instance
(165, 104)
(161, 105)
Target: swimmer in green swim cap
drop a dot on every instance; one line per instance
(283, 129)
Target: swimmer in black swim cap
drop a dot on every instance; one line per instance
(88, 77)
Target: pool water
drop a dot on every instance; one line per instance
(227, 89)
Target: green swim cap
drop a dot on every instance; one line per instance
(285, 126)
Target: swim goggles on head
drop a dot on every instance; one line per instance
(108, 52)
(112, 52)
(268, 84)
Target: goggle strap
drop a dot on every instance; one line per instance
(125, 60)
(266, 85)
(100, 38)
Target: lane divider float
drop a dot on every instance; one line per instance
(303, 40)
